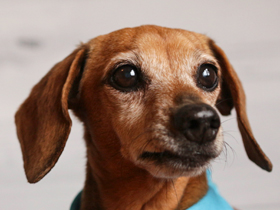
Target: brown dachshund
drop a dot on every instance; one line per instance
(148, 98)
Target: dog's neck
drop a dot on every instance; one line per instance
(115, 183)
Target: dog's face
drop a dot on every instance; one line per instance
(159, 90)
(160, 94)
(148, 93)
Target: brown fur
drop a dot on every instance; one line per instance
(117, 124)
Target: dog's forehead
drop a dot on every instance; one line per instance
(163, 41)
(156, 41)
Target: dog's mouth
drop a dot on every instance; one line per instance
(179, 161)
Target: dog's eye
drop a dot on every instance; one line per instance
(125, 77)
(207, 77)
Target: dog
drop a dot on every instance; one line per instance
(148, 98)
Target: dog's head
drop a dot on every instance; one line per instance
(150, 93)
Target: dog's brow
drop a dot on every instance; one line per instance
(204, 57)
(128, 57)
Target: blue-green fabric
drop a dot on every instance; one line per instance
(76, 204)
(211, 201)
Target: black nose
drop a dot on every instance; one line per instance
(197, 122)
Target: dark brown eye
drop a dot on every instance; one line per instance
(207, 77)
(125, 77)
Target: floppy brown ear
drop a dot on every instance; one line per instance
(43, 122)
(232, 94)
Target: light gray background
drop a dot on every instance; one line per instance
(34, 35)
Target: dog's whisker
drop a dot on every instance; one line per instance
(221, 101)
(145, 132)
(232, 150)
(226, 133)
(232, 131)
(166, 188)
(226, 154)
(175, 191)
(228, 120)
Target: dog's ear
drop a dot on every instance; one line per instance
(232, 95)
(42, 121)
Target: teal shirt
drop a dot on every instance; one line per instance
(211, 201)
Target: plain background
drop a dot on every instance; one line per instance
(34, 35)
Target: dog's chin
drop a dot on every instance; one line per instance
(170, 165)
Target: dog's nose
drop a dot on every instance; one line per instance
(197, 122)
